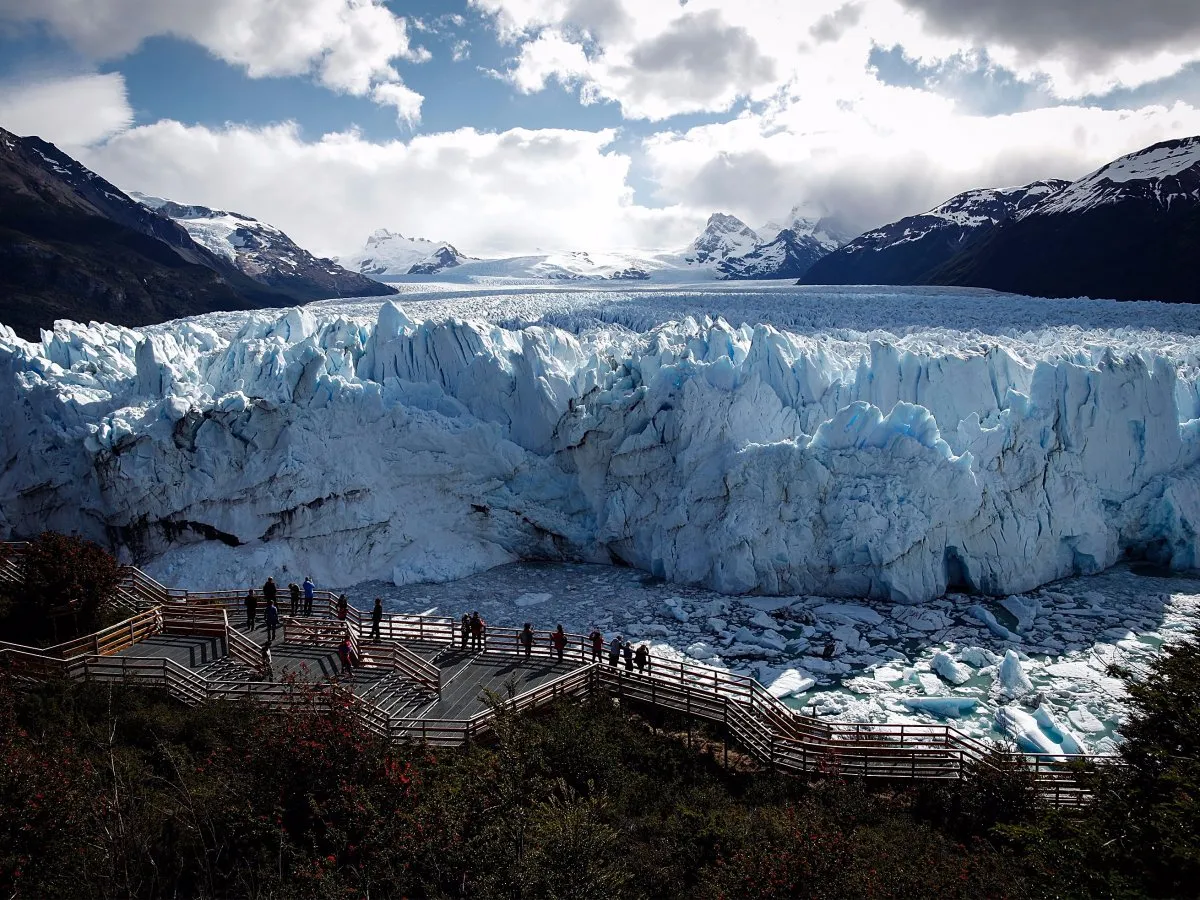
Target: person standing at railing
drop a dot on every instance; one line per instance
(271, 617)
(343, 607)
(627, 653)
(346, 652)
(268, 669)
(270, 592)
(614, 651)
(558, 640)
(525, 639)
(309, 590)
(642, 658)
(597, 644)
(476, 631)
(251, 609)
(294, 591)
(376, 618)
(466, 629)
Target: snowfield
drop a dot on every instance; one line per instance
(759, 451)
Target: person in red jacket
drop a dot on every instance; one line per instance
(597, 644)
(559, 641)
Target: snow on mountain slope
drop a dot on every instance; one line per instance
(745, 459)
(264, 252)
(1163, 174)
(904, 252)
(1126, 232)
(966, 211)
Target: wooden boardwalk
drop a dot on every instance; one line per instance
(417, 682)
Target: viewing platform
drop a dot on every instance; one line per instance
(417, 681)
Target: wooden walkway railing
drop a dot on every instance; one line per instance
(768, 729)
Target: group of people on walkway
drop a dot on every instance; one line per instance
(270, 599)
(473, 630)
(473, 627)
(620, 650)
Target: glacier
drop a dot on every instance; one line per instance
(750, 458)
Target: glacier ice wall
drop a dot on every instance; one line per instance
(744, 459)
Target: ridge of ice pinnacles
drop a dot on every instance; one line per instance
(744, 459)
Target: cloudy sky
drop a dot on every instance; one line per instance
(508, 125)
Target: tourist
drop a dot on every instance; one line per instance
(268, 670)
(271, 616)
(251, 602)
(466, 629)
(642, 658)
(597, 644)
(476, 631)
(614, 651)
(346, 653)
(525, 639)
(376, 618)
(270, 592)
(294, 591)
(309, 590)
(343, 607)
(559, 641)
(627, 653)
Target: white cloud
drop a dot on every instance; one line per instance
(506, 192)
(890, 152)
(72, 111)
(346, 45)
(659, 58)
(1081, 46)
(656, 58)
(407, 101)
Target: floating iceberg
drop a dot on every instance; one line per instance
(942, 707)
(745, 459)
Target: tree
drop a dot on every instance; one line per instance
(1155, 803)
(68, 570)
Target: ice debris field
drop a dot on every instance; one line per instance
(897, 445)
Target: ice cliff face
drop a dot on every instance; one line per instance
(745, 459)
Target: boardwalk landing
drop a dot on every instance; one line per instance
(465, 675)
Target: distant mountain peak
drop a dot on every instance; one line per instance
(724, 235)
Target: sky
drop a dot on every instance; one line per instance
(506, 126)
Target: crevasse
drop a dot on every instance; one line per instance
(744, 459)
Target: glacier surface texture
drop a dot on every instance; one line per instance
(407, 445)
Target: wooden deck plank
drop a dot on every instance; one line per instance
(460, 695)
(192, 651)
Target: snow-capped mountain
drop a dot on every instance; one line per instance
(724, 236)
(904, 252)
(389, 254)
(444, 257)
(805, 222)
(1128, 231)
(264, 253)
(737, 251)
(789, 255)
(73, 245)
(1163, 175)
